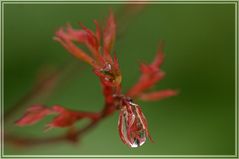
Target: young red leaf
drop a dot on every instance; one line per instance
(150, 75)
(97, 31)
(91, 39)
(158, 95)
(109, 34)
(33, 115)
(65, 117)
(65, 40)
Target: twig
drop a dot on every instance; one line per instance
(48, 84)
(26, 141)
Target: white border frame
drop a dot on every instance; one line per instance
(119, 2)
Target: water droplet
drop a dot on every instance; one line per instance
(107, 69)
(133, 132)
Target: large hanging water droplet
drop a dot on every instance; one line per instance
(133, 130)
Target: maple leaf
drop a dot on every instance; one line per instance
(65, 117)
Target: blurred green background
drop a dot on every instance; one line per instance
(200, 63)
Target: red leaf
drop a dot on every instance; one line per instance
(65, 117)
(90, 38)
(77, 35)
(150, 75)
(158, 95)
(158, 60)
(65, 39)
(33, 115)
(109, 34)
(97, 31)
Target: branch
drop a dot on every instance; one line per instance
(71, 136)
(51, 82)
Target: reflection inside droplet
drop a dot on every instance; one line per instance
(138, 142)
